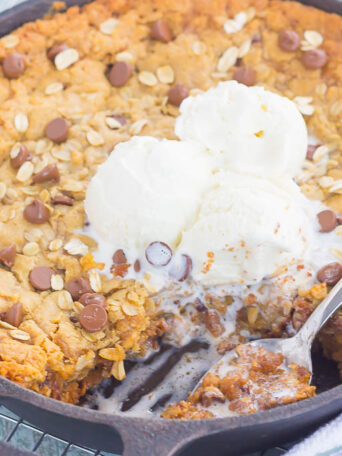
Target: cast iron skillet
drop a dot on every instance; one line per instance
(136, 436)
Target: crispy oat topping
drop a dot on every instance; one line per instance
(66, 102)
(256, 381)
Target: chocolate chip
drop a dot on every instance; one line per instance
(93, 298)
(137, 266)
(177, 94)
(158, 254)
(7, 255)
(57, 130)
(119, 74)
(13, 66)
(339, 219)
(310, 151)
(245, 75)
(314, 59)
(160, 31)
(200, 307)
(55, 50)
(36, 212)
(328, 220)
(93, 318)
(181, 268)
(62, 199)
(49, 173)
(40, 277)
(330, 274)
(119, 257)
(77, 287)
(14, 315)
(22, 156)
(288, 40)
(256, 38)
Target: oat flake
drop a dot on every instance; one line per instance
(66, 58)
(228, 59)
(6, 325)
(25, 171)
(112, 123)
(56, 244)
(76, 247)
(21, 122)
(31, 249)
(19, 335)
(57, 282)
(304, 105)
(166, 74)
(108, 26)
(244, 48)
(236, 24)
(319, 153)
(118, 370)
(3, 189)
(10, 41)
(337, 187)
(95, 281)
(33, 235)
(147, 78)
(15, 150)
(137, 126)
(336, 108)
(53, 88)
(129, 309)
(199, 48)
(326, 181)
(61, 154)
(124, 57)
(64, 300)
(312, 40)
(94, 138)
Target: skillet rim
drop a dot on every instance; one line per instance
(11, 19)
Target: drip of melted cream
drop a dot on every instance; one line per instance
(172, 296)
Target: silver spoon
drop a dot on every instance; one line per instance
(296, 349)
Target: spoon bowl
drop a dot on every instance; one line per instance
(296, 349)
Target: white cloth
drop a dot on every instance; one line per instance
(6, 4)
(326, 441)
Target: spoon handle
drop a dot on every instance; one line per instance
(321, 314)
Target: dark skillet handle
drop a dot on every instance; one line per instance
(153, 437)
(118, 434)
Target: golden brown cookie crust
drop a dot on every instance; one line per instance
(58, 357)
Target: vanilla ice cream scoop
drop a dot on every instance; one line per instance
(148, 190)
(220, 204)
(249, 129)
(247, 228)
